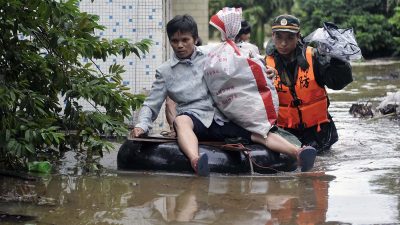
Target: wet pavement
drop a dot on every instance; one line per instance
(357, 182)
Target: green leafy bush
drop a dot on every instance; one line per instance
(42, 44)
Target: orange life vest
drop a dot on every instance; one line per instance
(311, 106)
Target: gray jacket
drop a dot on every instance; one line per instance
(182, 81)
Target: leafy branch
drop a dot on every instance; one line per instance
(43, 82)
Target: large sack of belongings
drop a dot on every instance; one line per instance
(239, 84)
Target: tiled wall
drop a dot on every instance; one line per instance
(135, 20)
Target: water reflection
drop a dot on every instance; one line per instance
(389, 184)
(155, 199)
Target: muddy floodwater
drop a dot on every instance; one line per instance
(357, 182)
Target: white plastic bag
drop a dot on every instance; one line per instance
(335, 42)
(238, 84)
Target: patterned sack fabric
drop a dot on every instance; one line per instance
(237, 83)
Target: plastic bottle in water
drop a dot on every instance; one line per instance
(40, 167)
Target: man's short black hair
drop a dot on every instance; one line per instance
(182, 23)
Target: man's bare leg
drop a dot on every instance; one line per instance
(276, 143)
(305, 156)
(187, 140)
(189, 144)
(170, 114)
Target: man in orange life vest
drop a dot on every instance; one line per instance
(302, 76)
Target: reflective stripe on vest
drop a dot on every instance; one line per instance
(314, 100)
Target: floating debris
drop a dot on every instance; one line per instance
(390, 105)
(6, 217)
(388, 108)
(361, 110)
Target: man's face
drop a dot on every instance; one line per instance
(183, 44)
(285, 42)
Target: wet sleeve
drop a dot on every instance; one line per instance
(152, 105)
(331, 72)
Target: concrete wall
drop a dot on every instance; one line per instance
(196, 8)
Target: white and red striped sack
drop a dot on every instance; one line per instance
(238, 84)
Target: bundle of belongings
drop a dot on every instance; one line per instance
(335, 42)
(239, 84)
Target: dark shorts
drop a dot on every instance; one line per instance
(216, 132)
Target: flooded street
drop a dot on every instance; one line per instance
(357, 182)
